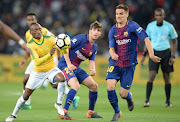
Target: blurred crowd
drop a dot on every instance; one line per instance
(74, 17)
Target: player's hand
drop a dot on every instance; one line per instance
(21, 63)
(142, 60)
(52, 51)
(71, 67)
(155, 59)
(92, 73)
(114, 56)
(171, 61)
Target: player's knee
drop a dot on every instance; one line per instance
(94, 87)
(60, 77)
(110, 88)
(25, 97)
(76, 87)
(122, 94)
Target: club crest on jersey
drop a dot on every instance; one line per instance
(126, 33)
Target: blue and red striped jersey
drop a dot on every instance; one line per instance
(81, 50)
(125, 41)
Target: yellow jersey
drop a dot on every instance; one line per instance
(45, 32)
(40, 53)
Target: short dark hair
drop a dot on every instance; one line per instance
(160, 10)
(95, 25)
(123, 6)
(31, 14)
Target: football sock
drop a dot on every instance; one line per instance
(28, 102)
(92, 99)
(113, 100)
(66, 90)
(69, 98)
(168, 92)
(128, 96)
(20, 103)
(148, 90)
(61, 89)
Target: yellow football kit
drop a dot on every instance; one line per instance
(40, 53)
(45, 32)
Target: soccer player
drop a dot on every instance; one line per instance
(42, 50)
(13, 35)
(160, 33)
(82, 47)
(31, 18)
(124, 37)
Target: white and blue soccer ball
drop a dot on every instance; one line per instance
(62, 41)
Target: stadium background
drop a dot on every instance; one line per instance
(74, 17)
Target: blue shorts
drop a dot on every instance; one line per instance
(124, 74)
(79, 73)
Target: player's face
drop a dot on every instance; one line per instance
(95, 33)
(31, 19)
(159, 16)
(121, 15)
(36, 31)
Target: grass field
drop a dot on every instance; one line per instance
(43, 105)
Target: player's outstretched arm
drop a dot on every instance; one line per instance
(70, 66)
(151, 51)
(35, 57)
(92, 68)
(13, 35)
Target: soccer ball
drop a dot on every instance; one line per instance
(62, 41)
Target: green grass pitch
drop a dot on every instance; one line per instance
(43, 105)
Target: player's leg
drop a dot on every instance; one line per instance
(27, 105)
(29, 70)
(20, 103)
(167, 88)
(166, 69)
(93, 94)
(112, 76)
(74, 84)
(126, 82)
(153, 70)
(56, 77)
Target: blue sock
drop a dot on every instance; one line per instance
(113, 100)
(92, 99)
(128, 96)
(69, 98)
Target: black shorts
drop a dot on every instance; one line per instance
(165, 56)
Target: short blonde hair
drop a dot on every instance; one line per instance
(95, 25)
(123, 6)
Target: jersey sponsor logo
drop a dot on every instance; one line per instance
(79, 55)
(124, 41)
(126, 33)
(116, 35)
(74, 41)
(139, 29)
